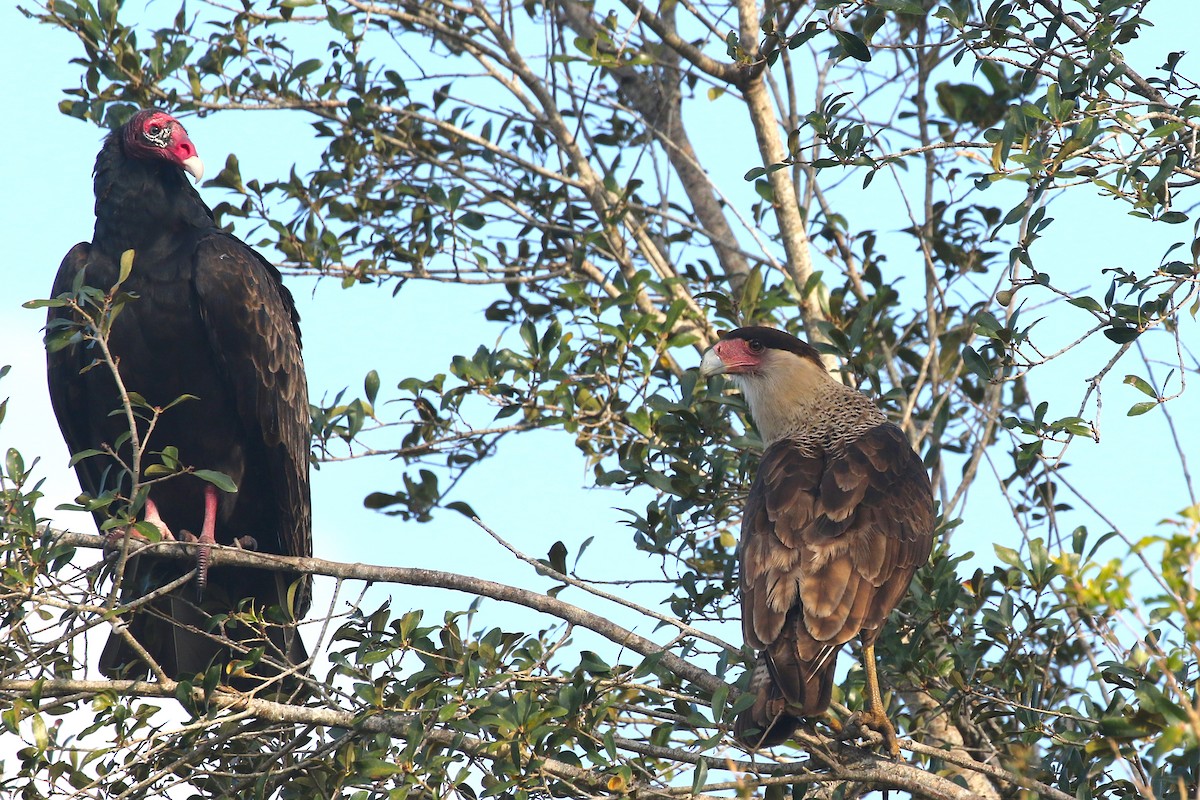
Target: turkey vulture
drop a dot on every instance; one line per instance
(839, 517)
(210, 321)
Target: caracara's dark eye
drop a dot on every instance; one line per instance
(755, 346)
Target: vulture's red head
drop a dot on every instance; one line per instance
(155, 134)
(781, 376)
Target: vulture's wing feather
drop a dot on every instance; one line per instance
(254, 332)
(63, 365)
(69, 394)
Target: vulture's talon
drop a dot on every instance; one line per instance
(115, 538)
(246, 543)
(203, 554)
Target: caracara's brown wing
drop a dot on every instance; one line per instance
(829, 544)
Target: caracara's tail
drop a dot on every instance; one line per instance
(786, 690)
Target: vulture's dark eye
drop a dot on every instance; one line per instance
(755, 346)
(154, 130)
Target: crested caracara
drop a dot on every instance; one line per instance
(838, 519)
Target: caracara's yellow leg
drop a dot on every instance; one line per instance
(874, 716)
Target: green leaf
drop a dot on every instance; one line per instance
(1009, 556)
(975, 363)
(593, 663)
(558, 557)
(41, 736)
(1086, 303)
(854, 46)
(342, 23)
(1122, 728)
(377, 769)
(1162, 131)
(700, 777)
(15, 464)
(52, 303)
(719, 698)
(217, 479)
(1137, 409)
(457, 505)
(901, 6)
(306, 67)
(948, 14)
(126, 267)
(371, 386)
(471, 220)
(1140, 385)
(1121, 334)
(529, 337)
(82, 454)
(810, 30)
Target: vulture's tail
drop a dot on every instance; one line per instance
(180, 634)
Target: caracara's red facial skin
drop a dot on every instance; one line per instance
(740, 355)
(156, 134)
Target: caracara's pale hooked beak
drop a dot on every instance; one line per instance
(712, 364)
(194, 167)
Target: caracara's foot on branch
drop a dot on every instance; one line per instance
(832, 722)
(875, 721)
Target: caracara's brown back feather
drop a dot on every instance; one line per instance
(831, 536)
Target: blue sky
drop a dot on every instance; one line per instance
(533, 493)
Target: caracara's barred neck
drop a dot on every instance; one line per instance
(835, 417)
(796, 398)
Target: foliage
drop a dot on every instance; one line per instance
(561, 156)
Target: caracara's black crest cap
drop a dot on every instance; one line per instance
(774, 339)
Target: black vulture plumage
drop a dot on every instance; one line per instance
(210, 319)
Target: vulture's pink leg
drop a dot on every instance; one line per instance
(151, 516)
(208, 536)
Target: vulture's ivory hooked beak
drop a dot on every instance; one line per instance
(194, 167)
